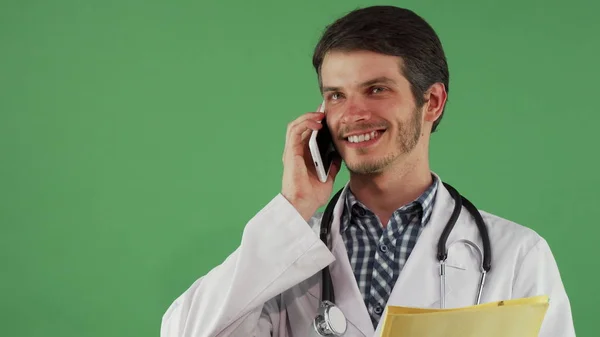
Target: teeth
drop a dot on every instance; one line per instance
(363, 138)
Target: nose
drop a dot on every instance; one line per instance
(355, 110)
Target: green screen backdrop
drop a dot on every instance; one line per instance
(137, 138)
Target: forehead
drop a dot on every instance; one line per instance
(346, 69)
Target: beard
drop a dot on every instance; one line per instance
(406, 140)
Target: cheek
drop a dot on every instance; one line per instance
(390, 110)
(402, 113)
(333, 122)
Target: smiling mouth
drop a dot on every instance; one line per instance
(367, 137)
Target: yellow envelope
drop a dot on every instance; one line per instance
(511, 318)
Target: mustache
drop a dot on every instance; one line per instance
(361, 127)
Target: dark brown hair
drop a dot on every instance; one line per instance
(392, 31)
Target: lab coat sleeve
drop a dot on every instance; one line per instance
(539, 275)
(278, 250)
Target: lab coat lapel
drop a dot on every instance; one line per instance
(347, 294)
(463, 263)
(419, 282)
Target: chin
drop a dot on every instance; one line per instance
(369, 165)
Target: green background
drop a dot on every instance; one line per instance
(138, 137)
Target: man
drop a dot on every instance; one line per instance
(384, 79)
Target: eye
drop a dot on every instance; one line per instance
(376, 90)
(335, 96)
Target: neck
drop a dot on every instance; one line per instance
(387, 191)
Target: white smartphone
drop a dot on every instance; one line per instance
(322, 149)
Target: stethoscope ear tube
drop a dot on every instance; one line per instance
(327, 293)
(485, 238)
(459, 201)
(442, 253)
(330, 320)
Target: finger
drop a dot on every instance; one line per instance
(305, 135)
(296, 142)
(316, 116)
(307, 126)
(304, 141)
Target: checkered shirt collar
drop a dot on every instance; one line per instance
(424, 201)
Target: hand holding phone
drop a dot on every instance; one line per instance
(300, 185)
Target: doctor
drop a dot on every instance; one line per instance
(384, 78)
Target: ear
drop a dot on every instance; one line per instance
(435, 99)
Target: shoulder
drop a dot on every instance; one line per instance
(514, 241)
(507, 232)
(509, 229)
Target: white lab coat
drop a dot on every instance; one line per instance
(270, 285)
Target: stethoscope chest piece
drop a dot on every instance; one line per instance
(330, 320)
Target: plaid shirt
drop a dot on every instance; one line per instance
(377, 255)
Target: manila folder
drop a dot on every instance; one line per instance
(521, 317)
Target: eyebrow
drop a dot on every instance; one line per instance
(381, 79)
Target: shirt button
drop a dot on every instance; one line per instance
(360, 211)
(383, 248)
(378, 310)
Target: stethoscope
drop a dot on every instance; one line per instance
(330, 320)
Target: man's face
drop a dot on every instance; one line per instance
(370, 110)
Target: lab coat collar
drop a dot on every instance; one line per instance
(347, 295)
(419, 283)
